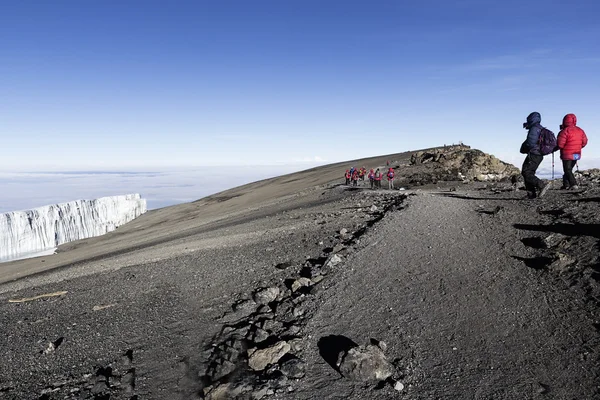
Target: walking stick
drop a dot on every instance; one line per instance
(553, 166)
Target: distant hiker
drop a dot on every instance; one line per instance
(387, 163)
(571, 139)
(531, 146)
(355, 178)
(390, 178)
(361, 174)
(372, 178)
(348, 176)
(377, 178)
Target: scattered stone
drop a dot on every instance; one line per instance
(260, 359)
(333, 260)
(338, 247)
(102, 307)
(262, 393)
(399, 386)
(299, 283)
(243, 308)
(259, 335)
(295, 344)
(226, 391)
(373, 208)
(365, 364)
(562, 263)
(293, 368)
(554, 240)
(343, 231)
(317, 279)
(298, 312)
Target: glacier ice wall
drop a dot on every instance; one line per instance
(43, 228)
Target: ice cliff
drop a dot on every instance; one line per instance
(44, 228)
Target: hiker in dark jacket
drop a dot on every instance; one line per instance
(571, 139)
(535, 186)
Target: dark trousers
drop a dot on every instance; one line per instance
(530, 165)
(568, 178)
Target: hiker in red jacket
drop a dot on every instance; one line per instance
(390, 178)
(372, 178)
(377, 178)
(355, 178)
(571, 139)
(348, 176)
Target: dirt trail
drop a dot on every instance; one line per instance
(439, 282)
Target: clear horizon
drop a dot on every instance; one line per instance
(96, 85)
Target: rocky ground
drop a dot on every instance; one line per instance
(453, 288)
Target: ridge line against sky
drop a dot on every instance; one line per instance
(151, 84)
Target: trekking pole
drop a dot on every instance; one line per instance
(577, 168)
(552, 166)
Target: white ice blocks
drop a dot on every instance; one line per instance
(44, 228)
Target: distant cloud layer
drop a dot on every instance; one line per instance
(24, 190)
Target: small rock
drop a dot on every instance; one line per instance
(262, 393)
(399, 386)
(244, 308)
(373, 208)
(338, 247)
(298, 312)
(259, 335)
(343, 231)
(267, 295)
(260, 359)
(293, 368)
(333, 260)
(554, 240)
(365, 363)
(300, 282)
(562, 263)
(317, 279)
(221, 369)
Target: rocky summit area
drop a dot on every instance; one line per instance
(450, 286)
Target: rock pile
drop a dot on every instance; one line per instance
(259, 351)
(458, 163)
(590, 176)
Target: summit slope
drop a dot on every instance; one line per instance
(476, 293)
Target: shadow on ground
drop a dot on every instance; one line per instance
(538, 263)
(465, 197)
(565, 229)
(331, 346)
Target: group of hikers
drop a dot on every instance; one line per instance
(375, 176)
(541, 141)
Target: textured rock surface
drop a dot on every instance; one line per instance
(366, 364)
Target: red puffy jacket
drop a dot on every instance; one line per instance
(571, 139)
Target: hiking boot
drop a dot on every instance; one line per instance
(565, 187)
(574, 187)
(544, 189)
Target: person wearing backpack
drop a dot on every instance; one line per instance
(531, 146)
(571, 139)
(372, 178)
(390, 178)
(355, 178)
(378, 176)
(348, 176)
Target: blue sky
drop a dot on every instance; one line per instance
(156, 84)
